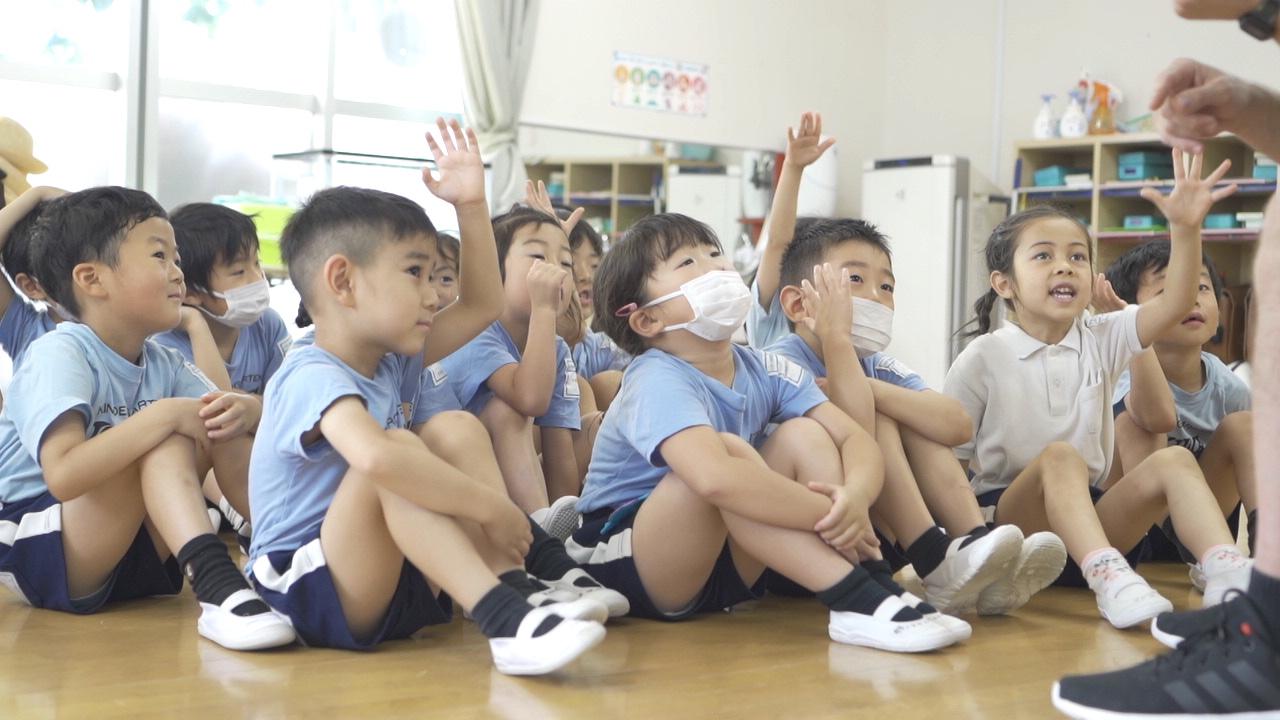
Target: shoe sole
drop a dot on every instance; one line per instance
(585, 636)
(1042, 566)
(560, 523)
(1168, 640)
(964, 593)
(938, 639)
(1083, 712)
(581, 608)
(270, 635)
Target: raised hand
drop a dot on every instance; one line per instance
(461, 170)
(806, 146)
(537, 197)
(828, 309)
(546, 286)
(1105, 299)
(1194, 102)
(1192, 195)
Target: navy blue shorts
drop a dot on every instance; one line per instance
(1070, 576)
(606, 553)
(298, 585)
(33, 566)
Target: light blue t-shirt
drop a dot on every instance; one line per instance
(435, 394)
(1199, 413)
(71, 368)
(598, 353)
(662, 395)
(470, 367)
(766, 327)
(877, 366)
(291, 486)
(257, 354)
(21, 325)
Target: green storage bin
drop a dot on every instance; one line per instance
(1143, 222)
(1220, 221)
(1147, 157)
(1264, 172)
(1056, 175)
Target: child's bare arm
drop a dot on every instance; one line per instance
(10, 215)
(700, 458)
(461, 184)
(1185, 208)
(204, 349)
(829, 315)
(803, 149)
(863, 467)
(528, 385)
(1149, 402)
(933, 415)
(73, 464)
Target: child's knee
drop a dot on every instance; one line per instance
(452, 430)
(1236, 427)
(1175, 462)
(804, 436)
(1066, 461)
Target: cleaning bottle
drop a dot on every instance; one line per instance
(1045, 127)
(1074, 124)
(1102, 122)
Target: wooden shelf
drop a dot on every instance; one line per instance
(1239, 235)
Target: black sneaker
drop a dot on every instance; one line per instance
(1231, 671)
(1172, 628)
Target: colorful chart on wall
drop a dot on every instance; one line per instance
(661, 84)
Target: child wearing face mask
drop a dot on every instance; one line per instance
(827, 264)
(227, 328)
(1038, 392)
(687, 502)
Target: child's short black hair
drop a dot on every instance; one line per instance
(582, 232)
(506, 225)
(814, 237)
(348, 220)
(86, 226)
(1126, 272)
(628, 265)
(207, 235)
(449, 248)
(16, 254)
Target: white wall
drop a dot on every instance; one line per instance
(768, 62)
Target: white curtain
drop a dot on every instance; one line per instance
(497, 44)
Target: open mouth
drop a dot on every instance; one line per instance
(1063, 293)
(585, 297)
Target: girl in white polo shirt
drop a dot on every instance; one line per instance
(1038, 393)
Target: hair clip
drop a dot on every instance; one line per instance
(625, 310)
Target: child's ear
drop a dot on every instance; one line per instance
(338, 278)
(1002, 284)
(645, 324)
(88, 279)
(29, 286)
(792, 300)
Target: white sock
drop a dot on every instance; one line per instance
(1221, 558)
(1102, 567)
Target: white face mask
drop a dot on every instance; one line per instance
(720, 302)
(245, 304)
(872, 326)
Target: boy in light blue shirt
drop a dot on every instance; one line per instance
(21, 322)
(80, 506)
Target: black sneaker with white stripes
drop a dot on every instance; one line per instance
(1172, 628)
(1232, 671)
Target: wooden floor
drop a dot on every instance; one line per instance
(770, 659)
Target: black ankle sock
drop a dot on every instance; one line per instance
(859, 592)
(1265, 590)
(882, 572)
(1251, 520)
(213, 576)
(500, 611)
(975, 534)
(928, 551)
(547, 558)
(520, 581)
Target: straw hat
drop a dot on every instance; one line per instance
(15, 147)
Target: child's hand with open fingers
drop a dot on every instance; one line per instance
(1192, 195)
(546, 286)
(458, 163)
(228, 415)
(537, 197)
(1105, 299)
(828, 309)
(806, 145)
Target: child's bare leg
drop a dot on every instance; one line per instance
(605, 385)
(942, 482)
(900, 502)
(586, 398)
(676, 538)
(231, 471)
(513, 445)
(1052, 493)
(1134, 443)
(584, 441)
(97, 529)
(1227, 463)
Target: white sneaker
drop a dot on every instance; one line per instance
(579, 582)
(215, 518)
(1039, 563)
(525, 654)
(959, 629)
(880, 631)
(954, 586)
(562, 517)
(1127, 600)
(1196, 574)
(235, 519)
(575, 608)
(1218, 582)
(248, 632)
